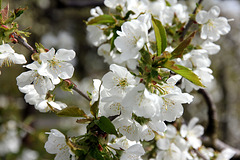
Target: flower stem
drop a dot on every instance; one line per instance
(81, 93)
(190, 22)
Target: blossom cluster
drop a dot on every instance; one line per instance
(152, 70)
(44, 74)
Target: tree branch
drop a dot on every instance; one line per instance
(81, 93)
(21, 41)
(210, 139)
(190, 22)
(79, 4)
(211, 129)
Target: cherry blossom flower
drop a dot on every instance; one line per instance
(132, 150)
(41, 83)
(114, 3)
(39, 101)
(192, 132)
(172, 100)
(213, 26)
(8, 56)
(131, 39)
(56, 144)
(54, 65)
(226, 154)
(118, 82)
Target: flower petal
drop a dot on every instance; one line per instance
(65, 54)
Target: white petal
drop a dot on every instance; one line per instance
(211, 47)
(42, 106)
(65, 55)
(65, 70)
(18, 58)
(6, 48)
(163, 143)
(4, 55)
(47, 55)
(204, 32)
(192, 123)
(183, 131)
(202, 17)
(214, 12)
(40, 85)
(25, 78)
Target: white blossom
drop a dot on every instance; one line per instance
(42, 84)
(131, 39)
(8, 56)
(54, 65)
(118, 81)
(213, 26)
(226, 154)
(192, 132)
(56, 144)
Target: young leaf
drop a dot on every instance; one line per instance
(94, 109)
(106, 125)
(4, 13)
(178, 52)
(72, 111)
(183, 71)
(102, 19)
(160, 35)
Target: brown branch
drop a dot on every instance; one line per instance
(190, 22)
(81, 93)
(211, 129)
(210, 139)
(79, 4)
(200, 154)
(21, 41)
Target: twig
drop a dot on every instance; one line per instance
(23, 42)
(79, 4)
(220, 145)
(200, 154)
(81, 93)
(190, 22)
(211, 129)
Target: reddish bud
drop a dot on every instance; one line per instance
(154, 83)
(46, 50)
(4, 26)
(159, 77)
(141, 80)
(100, 148)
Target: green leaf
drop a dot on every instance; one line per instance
(102, 19)
(19, 11)
(146, 56)
(94, 109)
(178, 52)
(106, 125)
(183, 71)
(72, 111)
(160, 35)
(115, 35)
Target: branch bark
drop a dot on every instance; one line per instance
(190, 22)
(79, 4)
(23, 42)
(212, 127)
(81, 93)
(210, 138)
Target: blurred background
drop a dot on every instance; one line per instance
(60, 24)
